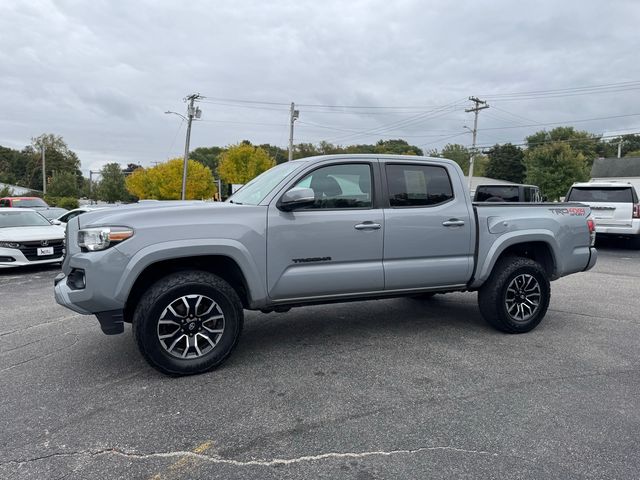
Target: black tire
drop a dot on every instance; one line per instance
(187, 286)
(503, 289)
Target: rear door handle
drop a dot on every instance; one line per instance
(367, 226)
(453, 222)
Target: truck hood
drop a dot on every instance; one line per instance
(169, 213)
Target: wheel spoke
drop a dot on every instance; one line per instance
(208, 310)
(195, 345)
(175, 342)
(206, 337)
(169, 335)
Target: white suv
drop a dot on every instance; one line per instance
(614, 206)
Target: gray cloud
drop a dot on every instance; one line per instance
(102, 73)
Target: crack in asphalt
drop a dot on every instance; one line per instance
(245, 463)
(57, 350)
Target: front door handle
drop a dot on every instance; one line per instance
(453, 222)
(367, 226)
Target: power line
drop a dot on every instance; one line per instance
(605, 86)
(563, 122)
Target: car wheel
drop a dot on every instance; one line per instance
(188, 322)
(515, 297)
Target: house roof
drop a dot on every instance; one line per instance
(616, 167)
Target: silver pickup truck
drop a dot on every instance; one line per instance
(315, 230)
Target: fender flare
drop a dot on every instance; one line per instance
(171, 250)
(514, 238)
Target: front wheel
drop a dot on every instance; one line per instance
(515, 297)
(188, 322)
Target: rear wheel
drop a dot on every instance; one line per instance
(516, 296)
(188, 322)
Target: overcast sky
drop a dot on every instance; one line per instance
(102, 73)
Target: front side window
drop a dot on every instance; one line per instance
(418, 185)
(340, 186)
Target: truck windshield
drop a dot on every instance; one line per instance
(254, 192)
(594, 194)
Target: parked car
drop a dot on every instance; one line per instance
(316, 230)
(68, 215)
(23, 202)
(51, 213)
(507, 193)
(614, 205)
(27, 238)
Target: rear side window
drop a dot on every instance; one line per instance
(4, 203)
(594, 194)
(418, 185)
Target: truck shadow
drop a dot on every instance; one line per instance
(354, 326)
(617, 243)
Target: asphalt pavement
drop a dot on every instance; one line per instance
(393, 388)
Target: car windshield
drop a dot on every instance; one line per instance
(257, 189)
(29, 202)
(505, 194)
(22, 219)
(590, 194)
(51, 213)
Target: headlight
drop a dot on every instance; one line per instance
(9, 245)
(100, 238)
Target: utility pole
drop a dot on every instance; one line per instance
(293, 116)
(191, 113)
(479, 105)
(44, 172)
(91, 172)
(620, 147)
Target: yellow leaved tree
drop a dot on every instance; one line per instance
(243, 162)
(164, 181)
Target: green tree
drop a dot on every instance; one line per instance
(457, 153)
(207, 156)
(62, 184)
(13, 166)
(396, 147)
(580, 141)
(506, 163)
(554, 167)
(280, 155)
(242, 162)
(112, 188)
(6, 191)
(59, 158)
(164, 181)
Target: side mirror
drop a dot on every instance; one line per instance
(55, 221)
(297, 198)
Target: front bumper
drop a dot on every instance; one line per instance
(19, 260)
(111, 321)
